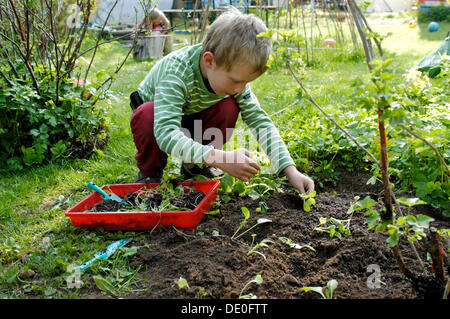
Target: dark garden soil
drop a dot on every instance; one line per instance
(152, 202)
(215, 266)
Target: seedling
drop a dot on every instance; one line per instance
(308, 200)
(291, 244)
(262, 243)
(246, 213)
(182, 282)
(331, 287)
(339, 227)
(257, 280)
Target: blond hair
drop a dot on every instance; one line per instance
(154, 14)
(232, 38)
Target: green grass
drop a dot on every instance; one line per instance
(33, 202)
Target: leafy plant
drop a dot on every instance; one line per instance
(339, 227)
(113, 276)
(246, 213)
(48, 108)
(308, 200)
(329, 290)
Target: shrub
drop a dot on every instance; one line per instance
(34, 130)
(46, 113)
(439, 13)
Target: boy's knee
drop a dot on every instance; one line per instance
(142, 119)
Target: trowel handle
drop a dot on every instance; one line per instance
(98, 190)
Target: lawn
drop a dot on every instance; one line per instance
(38, 243)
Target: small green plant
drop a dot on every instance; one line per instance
(246, 213)
(339, 227)
(114, 277)
(257, 280)
(182, 282)
(329, 290)
(308, 200)
(410, 226)
(262, 243)
(291, 244)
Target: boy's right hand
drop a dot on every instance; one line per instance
(238, 163)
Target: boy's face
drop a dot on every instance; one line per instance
(225, 82)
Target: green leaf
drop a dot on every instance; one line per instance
(410, 201)
(105, 285)
(258, 279)
(424, 220)
(246, 212)
(182, 282)
(367, 202)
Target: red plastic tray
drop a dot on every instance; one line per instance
(133, 220)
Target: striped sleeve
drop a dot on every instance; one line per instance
(264, 130)
(168, 109)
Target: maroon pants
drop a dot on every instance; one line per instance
(150, 158)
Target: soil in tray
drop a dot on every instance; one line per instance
(151, 202)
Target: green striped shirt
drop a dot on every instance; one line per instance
(176, 86)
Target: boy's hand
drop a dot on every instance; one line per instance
(237, 163)
(299, 181)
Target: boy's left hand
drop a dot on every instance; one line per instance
(299, 181)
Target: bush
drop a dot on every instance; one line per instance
(439, 13)
(35, 130)
(45, 113)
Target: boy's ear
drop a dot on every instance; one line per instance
(209, 59)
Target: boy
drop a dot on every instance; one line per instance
(199, 91)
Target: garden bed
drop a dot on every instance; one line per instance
(216, 266)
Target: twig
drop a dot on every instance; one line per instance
(105, 42)
(181, 233)
(6, 78)
(98, 40)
